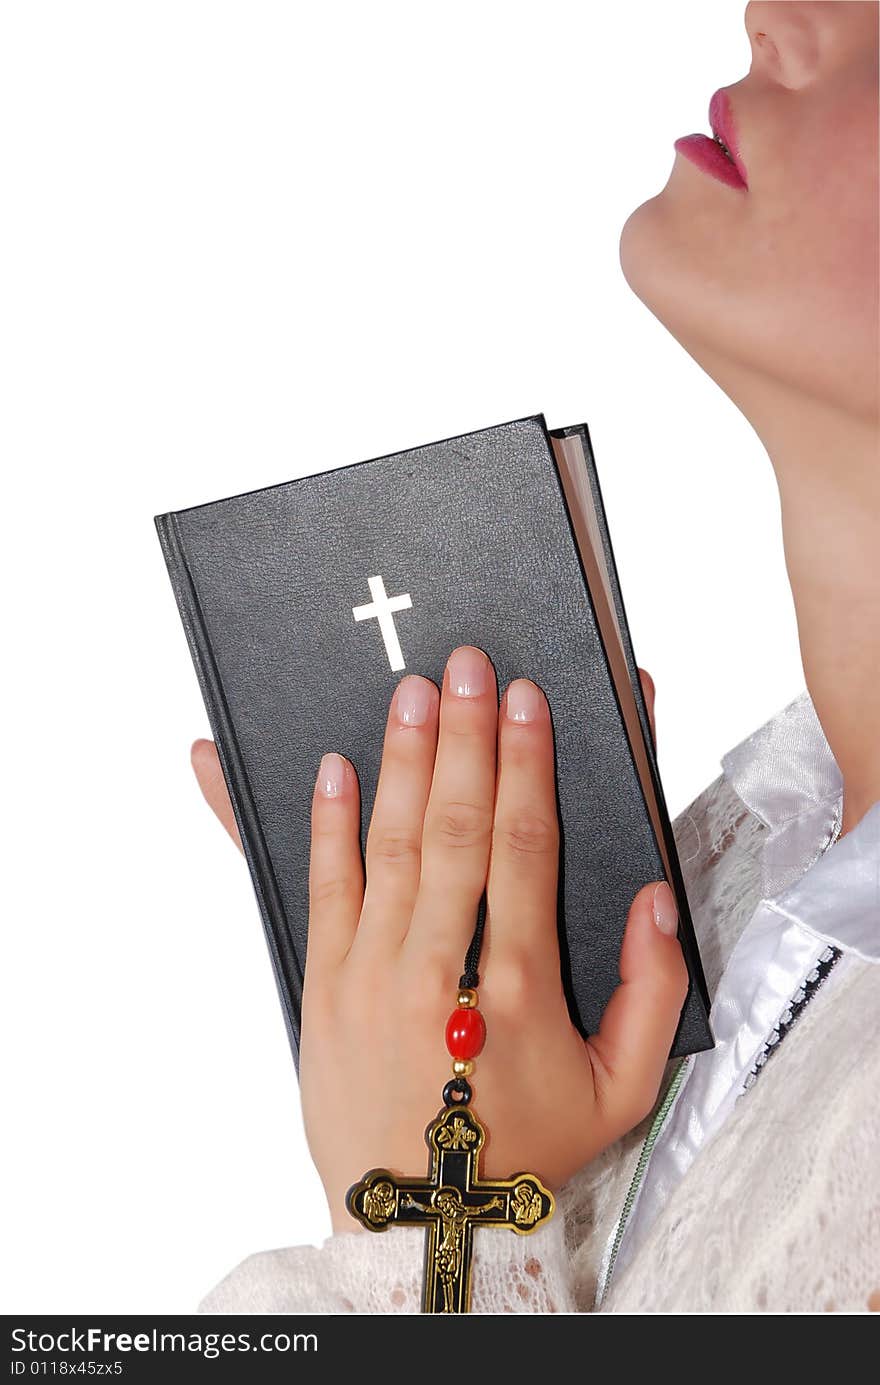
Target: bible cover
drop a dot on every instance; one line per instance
(496, 538)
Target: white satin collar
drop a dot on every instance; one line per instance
(787, 776)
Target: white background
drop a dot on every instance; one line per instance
(244, 242)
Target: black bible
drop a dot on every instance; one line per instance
(305, 603)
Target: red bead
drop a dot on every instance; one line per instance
(465, 1033)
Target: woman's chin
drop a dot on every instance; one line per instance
(636, 248)
(651, 260)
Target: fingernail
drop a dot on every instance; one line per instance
(524, 701)
(413, 701)
(468, 671)
(331, 774)
(665, 910)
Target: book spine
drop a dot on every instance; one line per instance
(687, 935)
(285, 966)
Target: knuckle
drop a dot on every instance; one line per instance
(462, 825)
(667, 993)
(461, 729)
(527, 833)
(629, 1102)
(434, 972)
(328, 889)
(681, 978)
(630, 1111)
(511, 981)
(394, 846)
(674, 977)
(412, 1007)
(640, 1102)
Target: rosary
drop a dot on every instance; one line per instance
(452, 1199)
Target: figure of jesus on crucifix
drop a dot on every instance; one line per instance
(446, 1204)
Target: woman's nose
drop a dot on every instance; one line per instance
(785, 39)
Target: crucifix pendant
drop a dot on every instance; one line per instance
(450, 1202)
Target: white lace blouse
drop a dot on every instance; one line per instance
(755, 1183)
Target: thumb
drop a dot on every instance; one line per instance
(209, 773)
(640, 1020)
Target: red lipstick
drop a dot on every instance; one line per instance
(719, 156)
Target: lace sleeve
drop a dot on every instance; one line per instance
(363, 1273)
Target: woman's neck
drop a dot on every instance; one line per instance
(827, 465)
(827, 468)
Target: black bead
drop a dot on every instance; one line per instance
(460, 1085)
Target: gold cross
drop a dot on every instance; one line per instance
(448, 1203)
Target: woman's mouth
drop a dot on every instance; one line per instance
(718, 155)
(711, 156)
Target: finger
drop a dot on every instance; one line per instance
(649, 691)
(336, 873)
(394, 839)
(457, 828)
(631, 1049)
(209, 773)
(524, 862)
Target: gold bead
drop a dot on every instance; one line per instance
(467, 999)
(463, 1067)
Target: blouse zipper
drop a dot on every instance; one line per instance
(650, 1140)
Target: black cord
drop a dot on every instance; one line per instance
(470, 977)
(458, 1091)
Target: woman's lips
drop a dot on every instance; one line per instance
(708, 155)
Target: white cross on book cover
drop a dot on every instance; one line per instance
(305, 603)
(381, 609)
